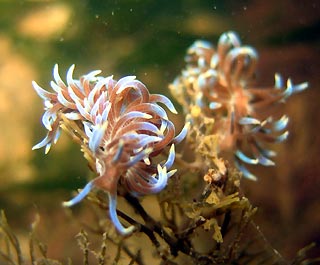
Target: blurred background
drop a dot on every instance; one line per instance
(148, 39)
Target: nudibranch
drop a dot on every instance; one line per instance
(123, 127)
(217, 82)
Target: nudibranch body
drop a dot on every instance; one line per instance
(123, 128)
(217, 83)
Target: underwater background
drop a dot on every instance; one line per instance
(149, 39)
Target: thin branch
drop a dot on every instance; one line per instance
(11, 236)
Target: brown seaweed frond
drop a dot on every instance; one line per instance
(10, 251)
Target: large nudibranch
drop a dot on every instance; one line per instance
(123, 128)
